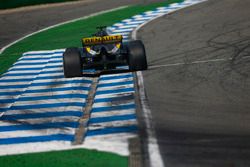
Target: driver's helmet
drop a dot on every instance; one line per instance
(101, 33)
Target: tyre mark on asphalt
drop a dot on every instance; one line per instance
(195, 62)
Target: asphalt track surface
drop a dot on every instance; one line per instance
(15, 25)
(200, 97)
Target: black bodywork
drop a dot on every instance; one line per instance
(106, 55)
(104, 52)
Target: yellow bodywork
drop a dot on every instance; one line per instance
(102, 40)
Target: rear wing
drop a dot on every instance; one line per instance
(101, 40)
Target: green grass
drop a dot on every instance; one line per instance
(7, 4)
(74, 158)
(70, 34)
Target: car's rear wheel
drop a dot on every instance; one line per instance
(72, 63)
(136, 56)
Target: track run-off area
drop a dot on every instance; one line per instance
(40, 110)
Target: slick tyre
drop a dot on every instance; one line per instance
(136, 56)
(72, 63)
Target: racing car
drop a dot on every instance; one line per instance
(104, 52)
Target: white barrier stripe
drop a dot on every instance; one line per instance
(123, 29)
(60, 85)
(156, 14)
(38, 60)
(118, 24)
(13, 83)
(128, 94)
(30, 57)
(56, 93)
(44, 120)
(55, 109)
(33, 87)
(44, 111)
(32, 70)
(29, 133)
(116, 87)
(34, 77)
(126, 27)
(139, 16)
(22, 72)
(65, 88)
(108, 104)
(18, 77)
(50, 52)
(46, 101)
(112, 124)
(134, 22)
(60, 81)
(112, 113)
(42, 58)
(119, 74)
(32, 61)
(143, 18)
(116, 80)
(36, 66)
(121, 138)
(113, 94)
(121, 33)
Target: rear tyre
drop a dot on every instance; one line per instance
(72, 63)
(136, 56)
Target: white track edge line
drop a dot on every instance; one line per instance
(155, 157)
(59, 24)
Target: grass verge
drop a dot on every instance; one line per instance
(74, 158)
(70, 34)
(8, 4)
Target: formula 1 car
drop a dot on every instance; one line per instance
(104, 52)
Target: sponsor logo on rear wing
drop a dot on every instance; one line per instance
(101, 40)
